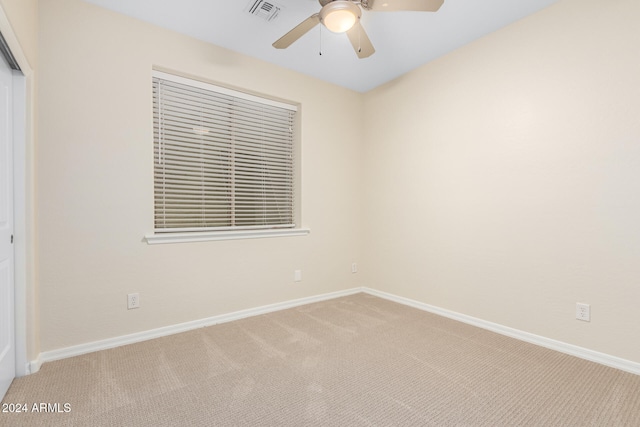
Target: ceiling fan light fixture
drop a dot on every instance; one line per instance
(339, 15)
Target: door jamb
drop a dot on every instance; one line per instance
(24, 217)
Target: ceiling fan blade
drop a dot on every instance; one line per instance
(360, 41)
(398, 5)
(298, 31)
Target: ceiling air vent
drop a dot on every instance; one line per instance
(264, 9)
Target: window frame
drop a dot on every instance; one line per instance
(166, 235)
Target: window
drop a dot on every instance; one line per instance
(223, 161)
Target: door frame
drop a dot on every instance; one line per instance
(25, 305)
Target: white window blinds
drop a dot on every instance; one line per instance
(223, 159)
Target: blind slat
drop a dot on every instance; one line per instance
(221, 162)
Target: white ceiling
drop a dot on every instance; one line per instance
(403, 40)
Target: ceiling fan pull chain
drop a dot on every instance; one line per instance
(320, 40)
(359, 36)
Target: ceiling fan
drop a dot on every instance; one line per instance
(340, 16)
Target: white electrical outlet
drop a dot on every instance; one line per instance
(354, 267)
(583, 312)
(297, 276)
(133, 301)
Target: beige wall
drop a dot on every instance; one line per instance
(95, 185)
(503, 180)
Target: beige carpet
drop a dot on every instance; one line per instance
(352, 361)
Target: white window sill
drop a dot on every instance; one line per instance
(160, 238)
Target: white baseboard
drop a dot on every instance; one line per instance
(34, 365)
(583, 353)
(573, 350)
(90, 347)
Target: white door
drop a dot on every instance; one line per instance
(7, 330)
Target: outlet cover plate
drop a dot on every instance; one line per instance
(583, 312)
(133, 301)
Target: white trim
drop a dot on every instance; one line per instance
(157, 238)
(23, 111)
(222, 90)
(77, 350)
(20, 209)
(34, 366)
(573, 350)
